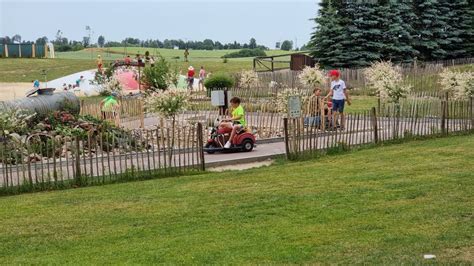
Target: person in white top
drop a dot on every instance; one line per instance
(339, 96)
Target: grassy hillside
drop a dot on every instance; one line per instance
(26, 70)
(389, 205)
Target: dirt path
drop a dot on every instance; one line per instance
(12, 91)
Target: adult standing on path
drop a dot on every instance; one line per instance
(202, 76)
(190, 78)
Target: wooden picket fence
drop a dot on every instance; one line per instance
(421, 76)
(47, 162)
(130, 114)
(412, 118)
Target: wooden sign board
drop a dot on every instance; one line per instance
(294, 106)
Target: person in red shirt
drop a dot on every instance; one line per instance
(190, 78)
(127, 60)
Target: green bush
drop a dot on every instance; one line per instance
(158, 77)
(218, 81)
(246, 53)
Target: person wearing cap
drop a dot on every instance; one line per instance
(109, 108)
(339, 95)
(190, 77)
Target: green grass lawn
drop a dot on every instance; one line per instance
(26, 70)
(389, 205)
(120, 52)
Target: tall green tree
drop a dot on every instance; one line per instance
(398, 31)
(326, 40)
(430, 26)
(287, 45)
(101, 41)
(459, 29)
(364, 38)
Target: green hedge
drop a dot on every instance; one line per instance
(218, 81)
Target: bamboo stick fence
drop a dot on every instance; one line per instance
(411, 118)
(46, 161)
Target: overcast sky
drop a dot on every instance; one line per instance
(267, 21)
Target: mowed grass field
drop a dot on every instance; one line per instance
(120, 52)
(66, 63)
(27, 70)
(388, 205)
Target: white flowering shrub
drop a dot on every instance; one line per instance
(387, 80)
(248, 79)
(311, 76)
(107, 85)
(15, 121)
(281, 101)
(459, 85)
(167, 103)
(273, 85)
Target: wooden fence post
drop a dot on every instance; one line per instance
(142, 115)
(446, 113)
(443, 116)
(77, 160)
(81, 110)
(374, 125)
(285, 129)
(471, 111)
(200, 146)
(287, 147)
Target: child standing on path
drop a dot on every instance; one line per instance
(339, 96)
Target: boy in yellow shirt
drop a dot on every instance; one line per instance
(238, 119)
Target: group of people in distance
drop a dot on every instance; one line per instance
(190, 78)
(334, 103)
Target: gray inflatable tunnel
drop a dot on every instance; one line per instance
(43, 105)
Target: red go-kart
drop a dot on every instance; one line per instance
(243, 140)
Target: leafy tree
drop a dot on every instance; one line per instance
(85, 41)
(43, 40)
(208, 44)
(252, 43)
(159, 77)
(101, 41)
(16, 38)
(5, 40)
(287, 45)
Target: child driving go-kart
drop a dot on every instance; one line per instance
(231, 134)
(236, 122)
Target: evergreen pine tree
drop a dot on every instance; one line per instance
(470, 34)
(458, 28)
(398, 32)
(430, 27)
(364, 42)
(326, 40)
